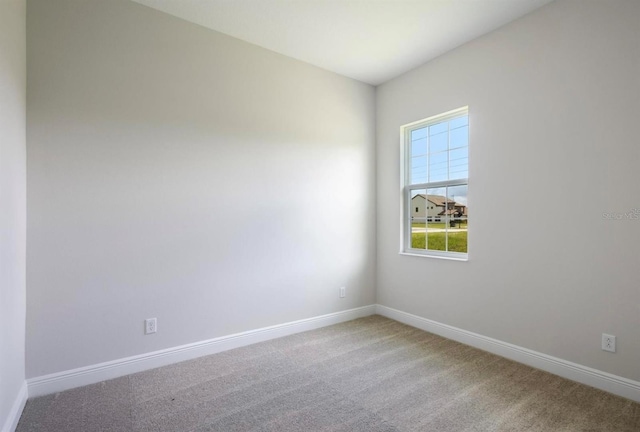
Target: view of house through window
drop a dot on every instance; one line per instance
(436, 171)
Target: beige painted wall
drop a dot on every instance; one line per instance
(554, 100)
(13, 217)
(178, 173)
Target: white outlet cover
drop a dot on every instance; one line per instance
(150, 325)
(608, 342)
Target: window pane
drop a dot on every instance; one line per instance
(417, 210)
(419, 147)
(438, 167)
(459, 163)
(418, 155)
(438, 142)
(418, 133)
(459, 121)
(438, 128)
(459, 155)
(436, 214)
(459, 137)
(443, 154)
(418, 169)
(458, 218)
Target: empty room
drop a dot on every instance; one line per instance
(319, 215)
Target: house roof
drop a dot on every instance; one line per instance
(447, 212)
(438, 200)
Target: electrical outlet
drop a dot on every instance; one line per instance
(608, 342)
(343, 292)
(150, 325)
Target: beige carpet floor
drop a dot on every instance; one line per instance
(367, 375)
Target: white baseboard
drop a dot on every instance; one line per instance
(65, 380)
(617, 385)
(16, 410)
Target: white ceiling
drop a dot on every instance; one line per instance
(369, 40)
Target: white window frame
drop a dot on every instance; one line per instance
(407, 187)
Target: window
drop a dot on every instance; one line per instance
(435, 179)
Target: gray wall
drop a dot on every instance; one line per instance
(554, 100)
(178, 173)
(13, 216)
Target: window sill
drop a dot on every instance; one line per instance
(444, 257)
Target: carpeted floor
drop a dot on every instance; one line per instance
(367, 375)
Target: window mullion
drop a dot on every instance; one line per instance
(446, 190)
